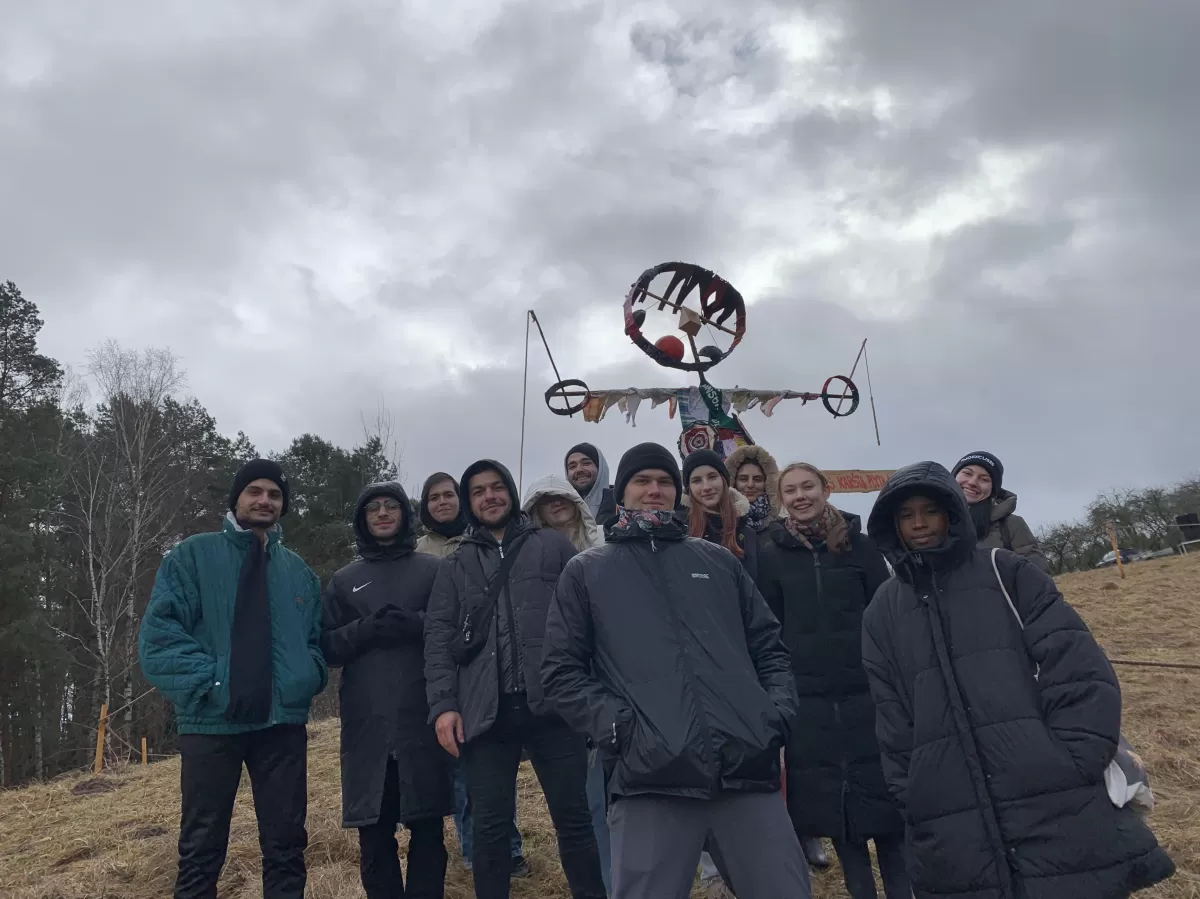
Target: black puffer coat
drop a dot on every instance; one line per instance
(664, 653)
(835, 785)
(1000, 776)
(382, 695)
(510, 660)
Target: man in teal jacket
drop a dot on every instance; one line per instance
(232, 637)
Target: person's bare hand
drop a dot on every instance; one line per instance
(449, 728)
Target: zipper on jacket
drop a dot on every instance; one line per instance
(690, 673)
(513, 636)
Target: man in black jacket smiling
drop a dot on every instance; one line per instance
(660, 648)
(392, 767)
(482, 661)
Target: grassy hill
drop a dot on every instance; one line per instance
(79, 838)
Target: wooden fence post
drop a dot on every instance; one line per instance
(144, 751)
(1112, 537)
(98, 766)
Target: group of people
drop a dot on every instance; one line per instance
(671, 651)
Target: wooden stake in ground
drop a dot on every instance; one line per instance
(1112, 536)
(99, 764)
(144, 750)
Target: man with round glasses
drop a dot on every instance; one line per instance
(393, 769)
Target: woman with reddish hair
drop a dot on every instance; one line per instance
(716, 511)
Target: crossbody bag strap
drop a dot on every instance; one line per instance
(1011, 605)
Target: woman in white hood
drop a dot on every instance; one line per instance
(554, 503)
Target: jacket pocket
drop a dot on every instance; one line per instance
(216, 701)
(299, 682)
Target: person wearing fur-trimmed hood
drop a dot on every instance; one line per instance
(754, 473)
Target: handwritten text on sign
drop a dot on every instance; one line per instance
(856, 480)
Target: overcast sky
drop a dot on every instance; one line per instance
(325, 206)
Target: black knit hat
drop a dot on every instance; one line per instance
(253, 471)
(698, 458)
(587, 449)
(640, 458)
(988, 463)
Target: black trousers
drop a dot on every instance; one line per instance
(379, 863)
(855, 859)
(559, 758)
(277, 759)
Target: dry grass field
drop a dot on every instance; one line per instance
(58, 842)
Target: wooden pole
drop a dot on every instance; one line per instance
(144, 760)
(1112, 537)
(98, 766)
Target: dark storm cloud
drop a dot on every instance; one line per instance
(363, 199)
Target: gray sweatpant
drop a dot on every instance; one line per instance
(656, 844)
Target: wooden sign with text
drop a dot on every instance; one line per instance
(856, 480)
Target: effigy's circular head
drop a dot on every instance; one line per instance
(714, 302)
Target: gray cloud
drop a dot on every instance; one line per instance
(346, 203)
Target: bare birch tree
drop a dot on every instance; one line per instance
(120, 477)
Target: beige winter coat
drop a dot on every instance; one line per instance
(437, 545)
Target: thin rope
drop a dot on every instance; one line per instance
(557, 376)
(1179, 666)
(524, 399)
(870, 391)
(853, 368)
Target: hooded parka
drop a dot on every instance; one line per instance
(835, 780)
(589, 533)
(383, 708)
(661, 650)
(1010, 531)
(510, 660)
(770, 468)
(999, 776)
(599, 498)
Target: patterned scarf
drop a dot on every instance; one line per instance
(645, 523)
(830, 528)
(759, 515)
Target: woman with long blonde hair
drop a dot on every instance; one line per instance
(818, 572)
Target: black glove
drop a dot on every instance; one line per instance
(392, 624)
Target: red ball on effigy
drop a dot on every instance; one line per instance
(671, 346)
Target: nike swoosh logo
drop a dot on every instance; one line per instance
(356, 589)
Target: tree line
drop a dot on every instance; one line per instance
(101, 473)
(1144, 521)
(104, 470)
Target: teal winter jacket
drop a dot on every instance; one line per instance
(185, 636)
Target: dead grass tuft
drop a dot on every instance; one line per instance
(65, 840)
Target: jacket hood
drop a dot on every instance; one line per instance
(447, 529)
(763, 460)
(933, 480)
(1004, 504)
(595, 495)
(505, 475)
(552, 485)
(741, 505)
(368, 546)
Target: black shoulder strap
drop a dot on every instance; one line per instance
(497, 582)
(1005, 533)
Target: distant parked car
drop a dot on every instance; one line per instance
(1110, 558)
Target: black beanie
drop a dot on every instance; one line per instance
(697, 458)
(640, 458)
(253, 471)
(988, 463)
(587, 449)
